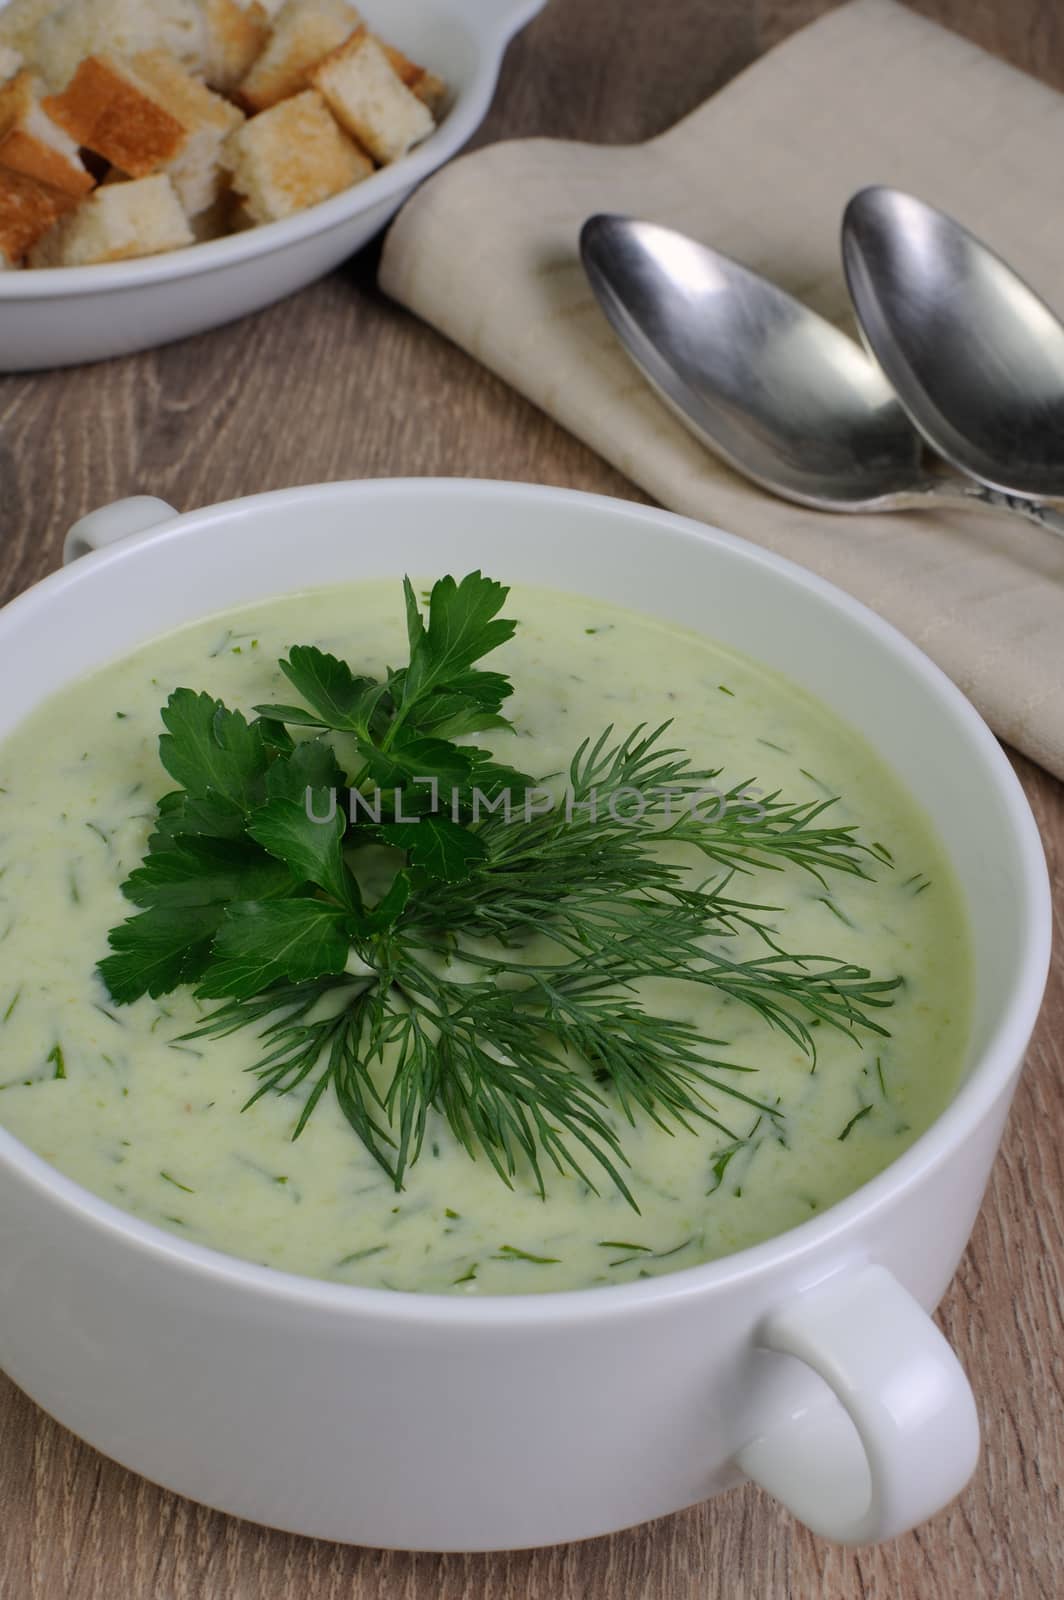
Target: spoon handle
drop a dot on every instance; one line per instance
(960, 492)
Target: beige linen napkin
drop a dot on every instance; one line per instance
(487, 252)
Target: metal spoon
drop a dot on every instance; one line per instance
(976, 358)
(778, 392)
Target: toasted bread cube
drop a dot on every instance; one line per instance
(407, 70)
(304, 32)
(195, 172)
(292, 156)
(106, 108)
(28, 209)
(148, 115)
(31, 143)
(117, 222)
(235, 37)
(367, 97)
(83, 28)
(10, 62)
(430, 90)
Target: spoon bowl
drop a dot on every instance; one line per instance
(976, 358)
(774, 389)
(778, 392)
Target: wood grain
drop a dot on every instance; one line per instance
(337, 383)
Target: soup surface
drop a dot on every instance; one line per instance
(113, 1098)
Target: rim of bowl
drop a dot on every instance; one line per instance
(985, 1081)
(489, 39)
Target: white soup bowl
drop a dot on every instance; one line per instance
(428, 1422)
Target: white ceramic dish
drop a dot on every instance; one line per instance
(382, 1418)
(67, 315)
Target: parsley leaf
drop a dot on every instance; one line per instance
(180, 814)
(413, 757)
(312, 850)
(211, 751)
(264, 942)
(199, 871)
(275, 736)
(463, 626)
(338, 698)
(161, 949)
(390, 907)
(469, 704)
(440, 848)
(311, 765)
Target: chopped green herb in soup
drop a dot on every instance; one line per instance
(559, 954)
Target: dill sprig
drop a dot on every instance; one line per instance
(499, 982)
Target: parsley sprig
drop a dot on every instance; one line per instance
(429, 997)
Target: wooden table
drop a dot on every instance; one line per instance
(336, 384)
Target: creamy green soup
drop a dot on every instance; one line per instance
(114, 1097)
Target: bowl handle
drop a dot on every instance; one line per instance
(120, 520)
(904, 1438)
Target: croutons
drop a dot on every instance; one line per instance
(18, 25)
(146, 119)
(292, 156)
(304, 31)
(207, 119)
(31, 143)
(367, 97)
(432, 92)
(106, 108)
(149, 115)
(430, 89)
(118, 221)
(27, 210)
(234, 38)
(10, 62)
(83, 28)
